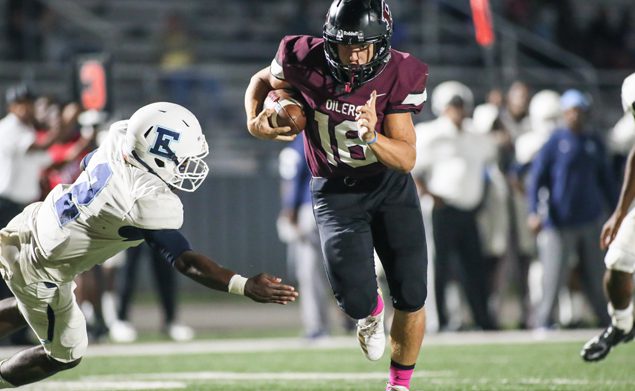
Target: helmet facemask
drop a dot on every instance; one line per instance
(187, 173)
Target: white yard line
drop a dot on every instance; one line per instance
(340, 342)
(103, 385)
(180, 380)
(260, 376)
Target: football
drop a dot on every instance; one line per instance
(288, 110)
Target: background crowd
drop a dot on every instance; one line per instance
(515, 178)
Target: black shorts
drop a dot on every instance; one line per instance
(355, 216)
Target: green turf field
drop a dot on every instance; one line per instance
(540, 366)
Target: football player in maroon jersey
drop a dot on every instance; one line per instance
(359, 139)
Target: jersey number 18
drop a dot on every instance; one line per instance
(342, 144)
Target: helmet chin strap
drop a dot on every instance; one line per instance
(147, 167)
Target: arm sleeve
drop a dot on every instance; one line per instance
(409, 93)
(170, 243)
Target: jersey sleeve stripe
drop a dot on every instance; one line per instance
(276, 70)
(416, 99)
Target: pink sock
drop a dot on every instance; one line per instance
(380, 306)
(400, 374)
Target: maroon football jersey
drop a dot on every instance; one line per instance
(333, 148)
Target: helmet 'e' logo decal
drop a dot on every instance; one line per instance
(162, 144)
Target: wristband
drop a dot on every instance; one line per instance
(373, 141)
(236, 285)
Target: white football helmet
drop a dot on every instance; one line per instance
(628, 94)
(544, 111)
(166, 139)
(443, 94)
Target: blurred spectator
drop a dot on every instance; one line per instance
(495, 97)
(23, 29)
(73, 144)
(450, 167)
(544, 117)
(56, 40)
(602, 38)
(492, 217)
(573, 167)
(516, 109)
(22, 158)
(47, 115)
(177, 55)
(297, 228)
(515, 123)
(518, 11)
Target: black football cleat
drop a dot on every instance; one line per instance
(599, 347)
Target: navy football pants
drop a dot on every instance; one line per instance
(355, 215)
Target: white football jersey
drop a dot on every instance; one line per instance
(83, 224)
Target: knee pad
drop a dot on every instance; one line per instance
(357, 305)
(409, 296)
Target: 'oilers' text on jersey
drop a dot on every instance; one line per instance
(332, 146)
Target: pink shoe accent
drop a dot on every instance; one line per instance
(380, 306)
(400, 377)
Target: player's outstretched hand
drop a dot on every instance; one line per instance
(259, 126)
(610, 228)
(265, 288)
(367, 119)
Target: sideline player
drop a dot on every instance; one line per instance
(618, 234)
(360, 147)
(123, 196)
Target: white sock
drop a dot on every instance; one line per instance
(622, 319)
(3, 382)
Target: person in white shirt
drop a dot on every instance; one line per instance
(22, 157)
(125, 195)
(450, 167)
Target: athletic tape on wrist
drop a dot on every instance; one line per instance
(237, 285)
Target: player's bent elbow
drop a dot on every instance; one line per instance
(406, 167)
(181, 264)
